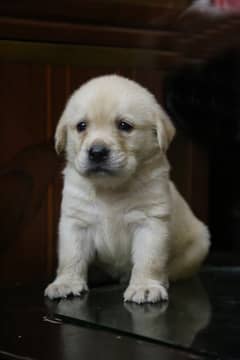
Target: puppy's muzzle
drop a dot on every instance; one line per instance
(98, 154)
(98, 159)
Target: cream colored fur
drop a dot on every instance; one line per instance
(132, 221)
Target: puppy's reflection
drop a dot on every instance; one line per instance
(179, 321)
(187, 313)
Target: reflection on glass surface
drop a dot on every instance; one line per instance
(202, 315)
(186, 315)
(177, 322)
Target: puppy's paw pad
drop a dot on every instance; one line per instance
(61, 289)
(145, 294)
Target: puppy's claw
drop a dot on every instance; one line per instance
(141, 294)
(61, 289)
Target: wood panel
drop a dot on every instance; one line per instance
(131, 13)
(27, 166)
(86, 56)
(62, 32)
(17, 83)
(23, 175)
(150, 25)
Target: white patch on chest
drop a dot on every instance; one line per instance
(113, 236)
(107, 223)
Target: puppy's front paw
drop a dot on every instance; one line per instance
(146, 293)
(61, 288)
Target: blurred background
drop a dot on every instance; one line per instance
(48, 49)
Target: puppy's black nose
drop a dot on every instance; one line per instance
(98, 153)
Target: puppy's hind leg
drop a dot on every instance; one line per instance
(188, 261)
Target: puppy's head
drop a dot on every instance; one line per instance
(110, 126)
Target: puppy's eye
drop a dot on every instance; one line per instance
(124, 126)
(81, 126)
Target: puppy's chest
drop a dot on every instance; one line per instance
(112, 234)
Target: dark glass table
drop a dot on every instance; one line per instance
(203, 314)
(201, 321)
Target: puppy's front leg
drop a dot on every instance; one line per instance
(149, 281)
(75, 252)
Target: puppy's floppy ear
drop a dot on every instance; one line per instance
(165, 129)
(61, 135)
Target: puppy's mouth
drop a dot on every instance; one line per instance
(100, 170)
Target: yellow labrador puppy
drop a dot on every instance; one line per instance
(119, 207)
